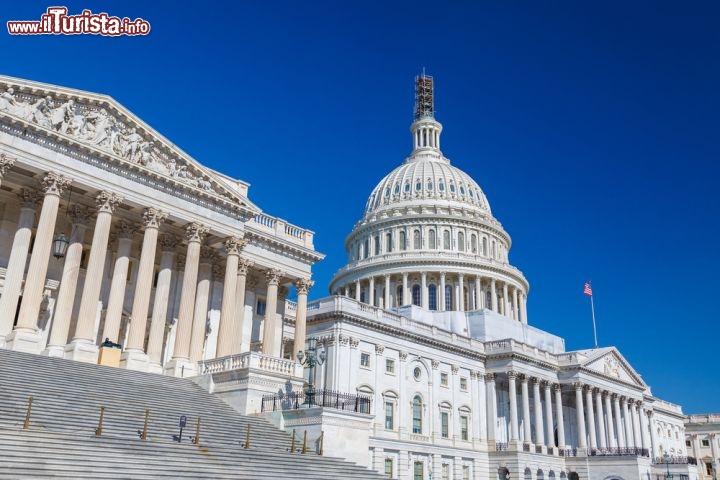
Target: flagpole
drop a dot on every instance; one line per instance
(592, 307)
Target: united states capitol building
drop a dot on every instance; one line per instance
(110, 231)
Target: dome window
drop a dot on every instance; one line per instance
(387, 192)
(418, 186)
(430, 185)
(462, 190)
(407, 187)
(452, 187)
(441, 186)
(397, 188)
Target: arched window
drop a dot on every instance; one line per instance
(377, 245)
(441, 186)
(446, 239)
(484, 247)
(403, 240)
(492, 249)
(416, 240)
(429, 184)
(417, 415)
(473, 243)
(461, 241)
(407, 187)
(399, 296)
(448, 297)
(362, 296)
(388, 242)
(366, 250)
(431, 240)
(418, 185)
(416, 295)
(397, 189)
(452, 187)
(432, 297)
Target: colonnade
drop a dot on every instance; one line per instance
(144, 343)
(440, 291)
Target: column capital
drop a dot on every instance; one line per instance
(5, 164)
(623, 399)
(435, 364)
(273, 276)
(546, 384)
(631, 401)
(587, 388)
(78, 214)
(403, 356)
(234, 245)
(489, 377)
(512, 374)
(442, 274)
(168, 242)
(379, 349)
(195, 232)
(578, 385)
(54, 184)
(557, 387)
(454, 369)
(243, 266)
(523, 378)
(29, 198)
(614, 396)
(153, 218)
(107, 201)
(303, 285)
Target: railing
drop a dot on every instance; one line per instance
(675, 476)
(283, 229)
(568, 452)
(320, 398)
(675, 460)
(253, 360)
(618, 451)
(538, 449)
(501, 446)
(526, 447)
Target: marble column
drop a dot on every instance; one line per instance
(68, 284)
(168, 244)
(16, 262)
(635, 424)
(227, 330)
(113, 314)
(386, 300)
(239, 329)
(491, 404)
(493, 296)
(180, 365)
(590, 416)
(202, 298)
(479, 299)
(580, 411)
(512, 393)
(549, 437)
(371, 291)
(134, 356)
(559, 414)
(618, 421)
(25, 336)
(630, 440)
(423, 290)
(644, 430)
(83, 347)
(357, 290)
(5, 164)
(612, 439)
(600, 418)
(302, 286)
(506, 301)
(443, 307)
(272, 328)
(523, 308)
(539, 433)
(461, 293)
(654, 450)
(526, 408)
(406, 293)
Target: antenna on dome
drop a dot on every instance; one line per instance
(424, 102)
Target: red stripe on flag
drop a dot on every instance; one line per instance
(588, 290)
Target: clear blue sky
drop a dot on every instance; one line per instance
(591, 126)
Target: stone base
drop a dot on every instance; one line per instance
(135, 360)
(57, 351)
(155, 368)
(82, 351)
(23, 341)
(181, 367)
(109, 356)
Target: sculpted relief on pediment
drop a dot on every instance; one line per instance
(93, 125)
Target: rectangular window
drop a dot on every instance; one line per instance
(418, 473)
(444, 379)
(444, 422)
(389, 467)
(687, 443)
(446, 471)
(706, 443)
(389, 365)
(389, 415)
(260, 308)
(464, 427)
(365, 360)
(463, 384)
(708, 469)
(466, 472)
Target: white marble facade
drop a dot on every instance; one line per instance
(165, 256)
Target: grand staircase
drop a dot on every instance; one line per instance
(61, 440)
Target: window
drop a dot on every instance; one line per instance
(444, 424)
(389, 415)
(389, 467)
(418, 186)
(260, 307)
(473, 243)
(444, 379)
(441, 186)
(377, 245)
(432, 244)
(687, 443)
(417, 414)
(399, 296)
(484, 246)
(466, 472)
(708, 469)
(389, 365)
(366, 250)
(407, 187)
(397, 189)
(445, 471)
(463, 384)
(365, 360)
(448, 297)
(706, 443)
(461, 241)
(416, 295)
(417, 373)
(403, 241)
(418, 471)
(464, 427)
(452, 187)
(429, 185)
(432, 297)
(446, 239)
(416, 240)
(388, 242)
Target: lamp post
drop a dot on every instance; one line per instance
(666, 459)
(311, 358)
(60, 245)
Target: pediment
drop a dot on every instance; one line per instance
(611, 363)
(99, 122)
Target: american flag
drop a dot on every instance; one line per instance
(588, 290)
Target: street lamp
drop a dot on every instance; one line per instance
(666, 459)
(60, 245)
(311, 358)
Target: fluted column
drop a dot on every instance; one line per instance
(590, 416)
(272, 329)
(202, 297)
(580, 411)
(493, 296)
(491, 405)
(549, 437)
(506, 301)
(423, 290)
(644, 431)
(406, 293)
(5, 164)
(134, 356)
(559, 415)
(113, 313)
(386, 299)
(523, 308)
(83, 346)
(512, 393)
(357, 289)
(630, 440)
(612, 439)
(243, 267)
(25, 336)
(461, 293)
(180, 362)
(227, 329)
(539, 433)
(68, 284)
(443, 307)
(371, 291)
(302, 286)
(479, 300)
(618, 421)
(635, 424)
(168, 243)
(654, 451)
(16, 263)
(526, 408)
(600, 418)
